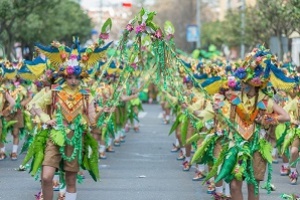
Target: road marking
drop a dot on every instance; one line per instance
(142, 114)
(160, 116)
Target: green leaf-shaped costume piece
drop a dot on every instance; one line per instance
(90, 158)
(36, 151)
(57, 137)
(106, 27)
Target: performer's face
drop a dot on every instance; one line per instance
(189, 85)
(73, 81)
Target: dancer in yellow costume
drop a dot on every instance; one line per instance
(65, 142)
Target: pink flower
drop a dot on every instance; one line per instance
(141, 28)
(70, 70)
(231, 83)
(48, 73)
(84, 57)
(144, 48)
(17, 83)
(170, 36)
(256, 81)
(129, 27)
(158, 34)
(104, 36)
(258, 59)
(133, 65)
(63, 55)
(73, 57)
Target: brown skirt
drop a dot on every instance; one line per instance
(53, 157)
(18, 116)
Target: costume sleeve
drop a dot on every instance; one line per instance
(207, 113)
(1, 100)
(92, 112)
(23, 92)
(173, 100)
(270, 106)
(39, 102)
(291, 108)
(195, 106)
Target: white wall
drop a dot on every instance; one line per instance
(296, 51)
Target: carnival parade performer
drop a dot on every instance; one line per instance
(66, 112)
(4, 97)
(253, 112)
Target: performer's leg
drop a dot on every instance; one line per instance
(71, 185)
(47, 184)
(236, 189)
(294, 156)
(251, 192)
(285, 168)
(14, 153)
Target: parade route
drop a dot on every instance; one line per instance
(142, 168)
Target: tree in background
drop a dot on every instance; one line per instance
(210, 33)
(268, 18)
(42, 21)
(282, 18)
(181, 14)
(256, 31)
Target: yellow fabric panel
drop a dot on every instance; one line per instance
(207, 114)
(292, 108)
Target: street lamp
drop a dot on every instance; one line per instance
(198, 23)
(242, 53)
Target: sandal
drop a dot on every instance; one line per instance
(81, 174)
(21, 168)
(272, 187)
(186, 166)
(110, 150)
(293, 178)
(136, 129)
(127, 129)
(61, 196)
(175, 148)
(218, 196)
(221, 196)
(55, 186)
(211, 188)
(102, 156)
(199, 176)
(227, 197)
(2, 155)
(14, 156)
(180, 156)
(117, 143)
(39, 196)
(122, 139)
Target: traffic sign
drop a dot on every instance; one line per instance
(192, 33)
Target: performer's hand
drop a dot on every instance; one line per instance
(113, 109)
(184, 105)
(23, 103)
(259, 119)
(51, 122)
(216, 107)
(197, 112)
(106, 109)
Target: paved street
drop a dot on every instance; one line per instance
(142, 168)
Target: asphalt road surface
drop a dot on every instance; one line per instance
(142, 168)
